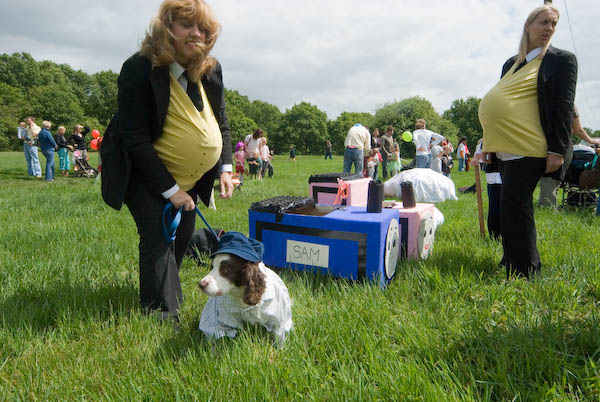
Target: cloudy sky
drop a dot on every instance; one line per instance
(341, 55)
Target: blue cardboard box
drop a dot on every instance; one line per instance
(345, 242)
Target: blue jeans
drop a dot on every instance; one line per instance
(598, 207)
(353, 155)
(49, 154)
(461, 165)
(422, 161)
(32, 160)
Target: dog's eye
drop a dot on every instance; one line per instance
(224, 269)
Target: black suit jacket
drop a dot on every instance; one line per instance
(557, 80)
(127, 146)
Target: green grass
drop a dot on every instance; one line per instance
(448, 328)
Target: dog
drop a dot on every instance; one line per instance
(243, 290)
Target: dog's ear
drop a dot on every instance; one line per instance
(255, 283)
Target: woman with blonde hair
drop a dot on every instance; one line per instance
(526, 119)
(169, 141)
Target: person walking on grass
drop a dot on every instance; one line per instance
(172, 126)
(63, 151)
(386, 141)
(328, 149)
(29, 136)
(48, 146)
(357, 143)
(423, 140)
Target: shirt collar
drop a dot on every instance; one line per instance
(176, 69)
(533, 54)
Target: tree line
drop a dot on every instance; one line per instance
(56, 92)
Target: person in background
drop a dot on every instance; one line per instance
(387, 142)
(328, 149)
(494, 189)
(436, 158)
(293, 152)
(77, 141)
(173, 127)
(48, 146)
(447, 163)
(265, 156)
(252, 144)
(423, 140)
(63, 151)
(461, 153)
(30, 146)
(240, 161)
(527, 118)
(376, 145)
(357, 143)
(549, 185)
(394, 163)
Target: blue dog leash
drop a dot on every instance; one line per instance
(171, 222)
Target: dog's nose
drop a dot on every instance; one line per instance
(203, 284)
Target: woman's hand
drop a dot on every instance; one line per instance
(226, 185)
(554, 162)
(182, 199)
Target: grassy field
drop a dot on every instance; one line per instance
(448, 328)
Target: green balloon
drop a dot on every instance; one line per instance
(407, 136)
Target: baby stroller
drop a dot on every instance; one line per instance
(577, 192)
(81, 167)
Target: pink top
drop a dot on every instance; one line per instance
(240, 158)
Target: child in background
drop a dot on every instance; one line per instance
(371, 163)
(436, 158)
(293, 153)
(447, 163)
(265, 155)
(240, 160)
(394, 163)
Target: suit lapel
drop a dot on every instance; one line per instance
(159, 79)
(548, 65)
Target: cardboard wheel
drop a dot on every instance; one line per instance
(392, 249)
(426, 236)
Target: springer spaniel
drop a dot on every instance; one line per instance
(244, 292)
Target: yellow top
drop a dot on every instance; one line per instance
(509, 114)
(191, 142)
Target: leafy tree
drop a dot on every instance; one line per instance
(464, 115)
(267, 116)
(240, 124)
(13, 108)
(102, 101)
(305, 126)
(19, 70)
(56, 103)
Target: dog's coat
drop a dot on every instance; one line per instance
(224, 315)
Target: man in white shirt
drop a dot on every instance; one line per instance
(358, 141)
(423, 138)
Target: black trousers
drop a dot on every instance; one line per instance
(159, 262)
(494, 192)
(519, 179)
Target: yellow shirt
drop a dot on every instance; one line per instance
(191, 141)
(509, 114)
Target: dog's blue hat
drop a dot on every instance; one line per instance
(238, 244)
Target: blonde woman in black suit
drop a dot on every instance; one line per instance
(526, 120)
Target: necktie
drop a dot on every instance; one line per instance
(193, 92)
